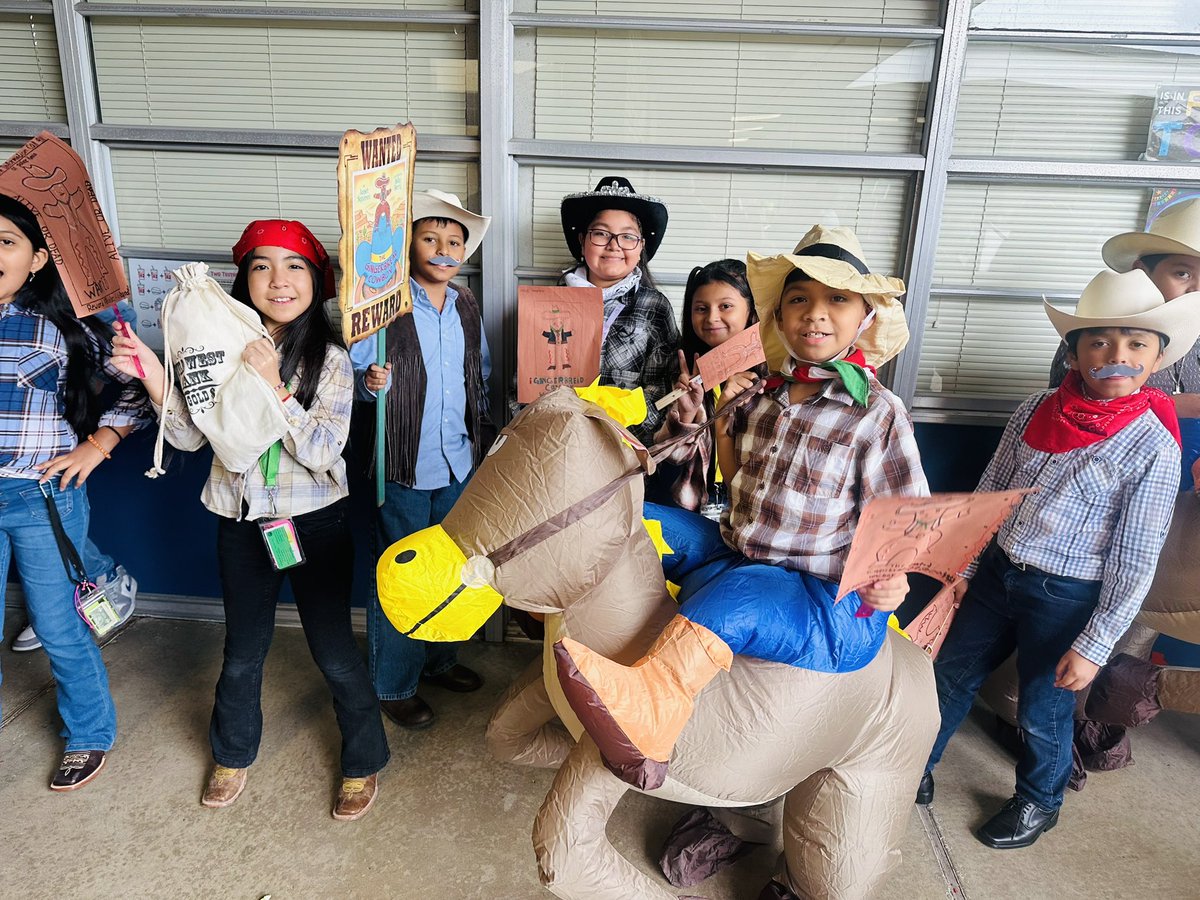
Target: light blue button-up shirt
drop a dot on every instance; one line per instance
(445, 446)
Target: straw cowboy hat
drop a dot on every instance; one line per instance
(1130, 300)
(613, 192)
(1176, 230)
(440, 205)
(833, 256)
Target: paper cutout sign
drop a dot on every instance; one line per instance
(928, 630)
(740, 353)
(936, 536)
(558, 338)
(375, 178)
(51, 180)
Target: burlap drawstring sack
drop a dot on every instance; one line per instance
(204, 333)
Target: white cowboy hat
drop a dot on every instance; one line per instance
(1176, 230)
(1130, 300)
(833, 256)
(440, 205)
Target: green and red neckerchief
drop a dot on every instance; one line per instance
(852, 370)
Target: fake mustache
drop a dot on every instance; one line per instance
(1117, 371)
(446, 261)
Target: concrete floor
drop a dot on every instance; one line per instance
(451, 823)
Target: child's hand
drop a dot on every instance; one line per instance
(376, 378)
(736, 385)
(125, 350)
(77, 465)
(960, 590)
(260, 355)
(689, 407)
(1074, 672)
(885, 596)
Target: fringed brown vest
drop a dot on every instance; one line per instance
(406, 399)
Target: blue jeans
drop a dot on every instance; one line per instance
(398, 662)
(321, 586)
(84, 700)
(1039, 615)
(763, 610)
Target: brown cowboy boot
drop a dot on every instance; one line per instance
(636, 713)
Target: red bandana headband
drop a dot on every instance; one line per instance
(293, 236)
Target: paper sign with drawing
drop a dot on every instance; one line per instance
(558, 338)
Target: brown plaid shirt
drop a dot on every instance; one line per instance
(806, 470)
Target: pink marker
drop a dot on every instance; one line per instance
(137, 363)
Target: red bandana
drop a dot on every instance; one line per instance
(1068, 419)
(292, 236)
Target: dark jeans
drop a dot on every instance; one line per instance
(1039, 615)
(397, 661)
(321, 586)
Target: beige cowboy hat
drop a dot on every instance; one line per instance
(1176, 230)
(1130, 300)
(832, 255)
(440, 205)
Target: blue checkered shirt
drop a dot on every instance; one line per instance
(33, 377)
(1101, 514)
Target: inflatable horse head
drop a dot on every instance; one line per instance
(552, 524)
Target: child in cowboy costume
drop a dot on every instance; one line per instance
(802, 461)
(1068, 571)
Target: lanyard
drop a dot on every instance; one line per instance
(268, 463)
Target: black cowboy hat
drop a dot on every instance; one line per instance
(613, 192)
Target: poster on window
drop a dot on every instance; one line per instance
(375, 176)
(1174, 137)
(558, 338)
(150, 281)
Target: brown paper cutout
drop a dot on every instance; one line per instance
(740, 353)
(936, 536)
(49, 178)
(559, 330)
(928, 630)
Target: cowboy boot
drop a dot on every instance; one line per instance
(636, 713)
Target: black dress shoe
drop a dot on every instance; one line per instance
(925, 790)
(459, 679)
(1018, 824)
(78, 767)
(412, 712)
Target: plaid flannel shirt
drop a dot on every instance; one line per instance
(33, 377)
(312, 473)
(1101, 514)
(806, 470)
(640, 350)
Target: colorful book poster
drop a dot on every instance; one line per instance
(1175, 124)
(151, 280)
(559, 330)
(375, 175)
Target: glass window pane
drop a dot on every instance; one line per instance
(293, 76)
(390, 5)
(32, 79)
(703, 90)
(1064, 101)
(1003, 246)
(864, 12)
(720, 214)
(1163, 16)
(202, 201)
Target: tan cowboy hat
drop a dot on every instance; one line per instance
(440, 205)
(1176, 230)
(832, 255)
(1130, 300)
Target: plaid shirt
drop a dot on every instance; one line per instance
(640, 350)
(1183, 377)
(806, 470)
(1101, 514)
(33, 377)
(312, 473)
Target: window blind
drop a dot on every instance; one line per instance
(726, 91)
(720, 214)
(1168, 16)
(292, 75)
(444, 5)
(866, 12)
(1011, 243)
(32, 80)
(202, 201)
(1064, 101)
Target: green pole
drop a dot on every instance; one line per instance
(380, 420)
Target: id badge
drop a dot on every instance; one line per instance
(96, 609)
(283, 544)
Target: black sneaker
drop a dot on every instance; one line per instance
(925, 790)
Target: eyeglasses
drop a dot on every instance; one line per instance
(627, 240)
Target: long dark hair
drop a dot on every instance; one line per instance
(304, 339)
(44, 294)
(724, 271)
